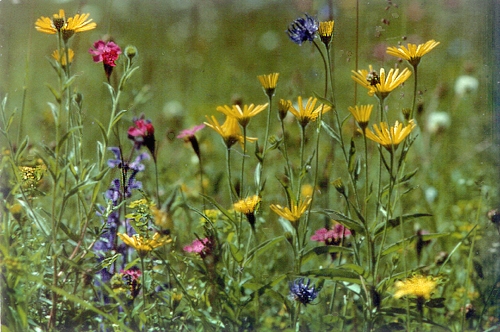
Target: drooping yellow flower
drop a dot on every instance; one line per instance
(70, 26)
(296, 211)
(419, 286)
(413, 53)
(269, 82)
(144, 245)
(325, 31)
(306, 114)
(390, 138)
(229, 131)
(361, 114)
(247, 205)
(242, 115)
(283, 107)
(380, 84)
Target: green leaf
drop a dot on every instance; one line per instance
(235, 252)
(67, 135)
(396, 221)
(21, 148)
(408, 176)
(68, 82)
(261, 248)
(317, 251)
(338, 274)
(331, 132)
(324, 100)
(221, 209)
(118, 117)
(55, 93)
(345, 221)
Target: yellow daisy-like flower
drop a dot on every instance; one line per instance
(247, 205)
(296, 211)
(419, 286)
(242, 115)
(325, 31)
(306, 114)
(62, 58)
(229, 131)
(390, 138)
(68, 27)
(380, 84)
(269, 82)
(144, 245)
(413, 53)
(361, 114)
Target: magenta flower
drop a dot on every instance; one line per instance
(134, 273)
(107, 53)
(331, 236)
(143, 134)
(188, 136)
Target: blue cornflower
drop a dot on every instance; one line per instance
(303, 29)
(301, 291)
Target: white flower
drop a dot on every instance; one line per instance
(437, 122)
(466, 84)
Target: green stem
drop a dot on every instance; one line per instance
(267, 126)
(302, 170)
(415, 80)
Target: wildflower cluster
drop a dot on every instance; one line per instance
(301, 212)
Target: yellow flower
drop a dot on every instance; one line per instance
(68, 27)
(413, 53)
(361, 114)
(283, 107)
(243, 116)
(229, 131)
(390, 138)
(144, 245)
(308, 113)
(269, 82)
(325, 31)
(296, 211)
(162, 219)
(380, 84)
(62, 59)
(419, 286)
(247, 205)
(51, 26)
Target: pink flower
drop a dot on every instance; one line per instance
(197, 246)
(135, 273)
(143, 134)
(188, 136)
(331, 236)
(105, 52)
(187, 133)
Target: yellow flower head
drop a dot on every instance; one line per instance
(229, 131)
(283, 107)
(380, 84)
(247, 205)
(294, 213)
(242, 115)
(162, 219)
(269, 82)
(361, 114)
(62, 58)
(68, 27)
(325, 31)
(419, 286)
(390, 138)
(413, 53)
(306, 114)
(144, 245)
